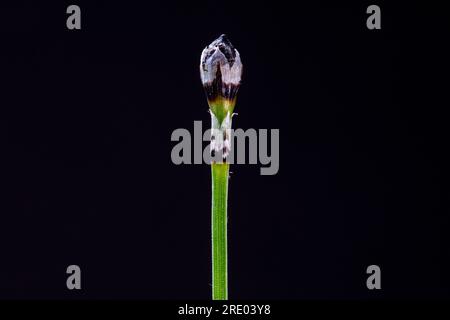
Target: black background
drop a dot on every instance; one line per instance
(87, 178)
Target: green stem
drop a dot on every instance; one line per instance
(219, 173)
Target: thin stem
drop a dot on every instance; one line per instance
(219, 173)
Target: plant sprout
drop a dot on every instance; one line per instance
(220, 72)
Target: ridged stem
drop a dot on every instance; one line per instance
(219, 174)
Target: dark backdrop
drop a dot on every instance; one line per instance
(87, 178)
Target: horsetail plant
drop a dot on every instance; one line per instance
(220, 72)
